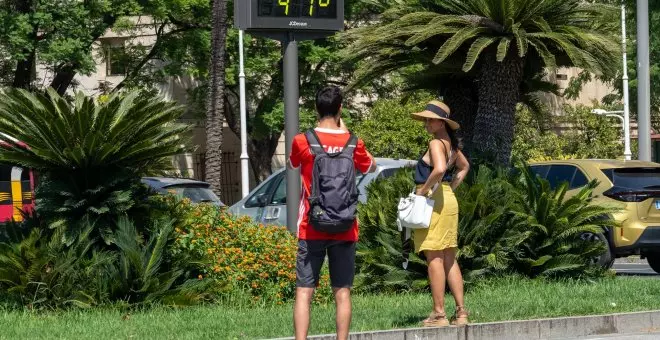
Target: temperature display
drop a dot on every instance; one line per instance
(322, 9)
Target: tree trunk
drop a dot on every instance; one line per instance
(461, 98)
(216, 99)
(63, 79)
(261, 156)
(23, 71)
(499, 90)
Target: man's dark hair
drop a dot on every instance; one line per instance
(328, 101)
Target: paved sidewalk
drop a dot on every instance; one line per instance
(639, 325)
(644, 336)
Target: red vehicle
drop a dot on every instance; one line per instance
(16, 189)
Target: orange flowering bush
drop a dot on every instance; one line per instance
(240, 254)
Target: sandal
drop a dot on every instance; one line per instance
(461, 316)
(436, 320)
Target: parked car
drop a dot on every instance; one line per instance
(634, 186)
(267, 202)
(16, 187)
(16, 192)
(196, 191)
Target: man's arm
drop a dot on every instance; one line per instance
(364, 161)
(373, 166)
(294, 158)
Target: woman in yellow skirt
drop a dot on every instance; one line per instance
(439, 242)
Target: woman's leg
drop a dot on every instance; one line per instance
(454, 276)
(455, 281)
(437, 277)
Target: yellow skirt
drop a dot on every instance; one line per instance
(443, 229)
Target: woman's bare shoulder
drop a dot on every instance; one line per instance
(439, 143)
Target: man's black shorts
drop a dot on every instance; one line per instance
(341, 260)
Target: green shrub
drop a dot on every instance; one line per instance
(486, 201)
(379, 260)
(241, 255)
(95, 238)
(509, 223)
(89, 155)
(552, 225)
(388, 131)
(43, 272)
(586, 135)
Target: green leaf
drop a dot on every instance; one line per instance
(475, 51)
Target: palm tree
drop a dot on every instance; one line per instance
(89, 155)
(215, 113)
(497, 43)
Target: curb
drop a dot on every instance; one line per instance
(556, 328)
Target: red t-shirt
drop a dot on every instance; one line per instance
(301, 156)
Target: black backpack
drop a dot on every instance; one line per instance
(334, 197)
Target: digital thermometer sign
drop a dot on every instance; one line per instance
(324, 9)
(290, 15)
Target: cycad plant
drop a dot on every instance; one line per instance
(567, 232)
(500, 43)
(510, 222)
(89, 155)
(486, 239)
(42, 272)
(143, 273)
(380, 252)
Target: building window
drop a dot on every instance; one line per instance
(562, 77)
(116, 59)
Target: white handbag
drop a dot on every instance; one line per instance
(414, 212)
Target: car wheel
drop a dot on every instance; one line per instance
(654, 261)
(606, 260)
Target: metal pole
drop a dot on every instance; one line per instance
(644, 81)
(245, 179)
(616, 116)
(291, 98)
(627, 154)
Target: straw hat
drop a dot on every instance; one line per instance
(436, 110)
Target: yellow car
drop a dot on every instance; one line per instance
(634, 186)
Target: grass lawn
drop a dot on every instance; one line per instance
(503, 299)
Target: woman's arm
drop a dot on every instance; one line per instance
(463, 167)
(437, 152)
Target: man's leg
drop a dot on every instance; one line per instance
(301, 311)
(341, 258)
(308, 268)
(344, 311)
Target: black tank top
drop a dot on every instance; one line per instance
(423, 170)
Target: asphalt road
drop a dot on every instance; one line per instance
(633, 267)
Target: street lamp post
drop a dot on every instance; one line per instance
(626, 98)
(643, 81)
(245, 158)
(626, 132)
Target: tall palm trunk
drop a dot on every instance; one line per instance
(215, 116)
(499, 91)
(462, 101)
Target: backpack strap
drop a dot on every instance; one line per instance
(351, 144)
(313, 141)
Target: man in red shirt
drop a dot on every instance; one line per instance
(313, 245)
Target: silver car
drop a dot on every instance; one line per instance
(196, 191)
(267, 202)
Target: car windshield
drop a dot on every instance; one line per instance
(635, 178)
(196, 194)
